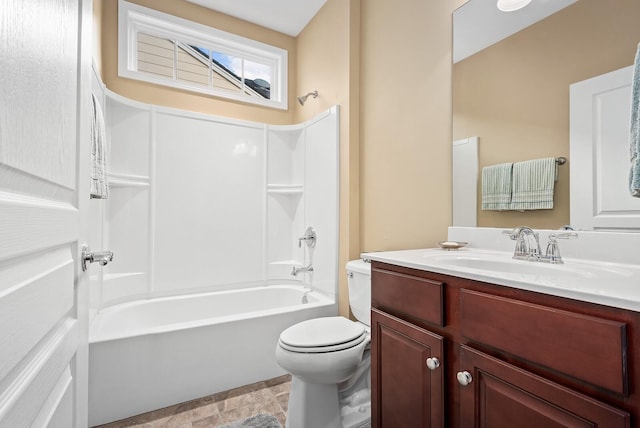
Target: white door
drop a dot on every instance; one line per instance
(44, 104)
(599, 139)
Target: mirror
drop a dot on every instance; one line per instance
(513, 94)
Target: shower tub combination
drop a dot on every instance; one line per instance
(206, 203)
(148, 354)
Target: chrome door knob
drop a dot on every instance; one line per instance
(88, 256)
(433, 363)
(464, 378)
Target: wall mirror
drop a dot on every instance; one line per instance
(511, 78)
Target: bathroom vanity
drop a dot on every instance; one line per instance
(449, 350)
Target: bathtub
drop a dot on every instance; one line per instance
(149, 354)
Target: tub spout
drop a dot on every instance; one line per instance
(295, 271)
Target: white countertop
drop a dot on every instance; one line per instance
(601, 282)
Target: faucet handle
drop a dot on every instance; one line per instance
(552, 254)
(309, 237)
(511, 233)
(565, 235)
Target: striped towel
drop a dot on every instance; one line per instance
(533, 183)
(496, 187)
(99, 184)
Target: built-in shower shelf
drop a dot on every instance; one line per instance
(126, 180)
(285, 189)
(116, 276)
(296, 263)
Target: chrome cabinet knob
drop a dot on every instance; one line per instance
(464, 378)
(433, 363)
(88, 256)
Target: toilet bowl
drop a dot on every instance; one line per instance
(329, 361)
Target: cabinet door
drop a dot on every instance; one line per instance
(405, 391)
(502, 395)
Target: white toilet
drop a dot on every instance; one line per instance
(330, 364)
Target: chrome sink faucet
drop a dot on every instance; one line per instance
(296, 270)
(528, 245)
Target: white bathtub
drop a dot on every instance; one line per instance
(149, 354)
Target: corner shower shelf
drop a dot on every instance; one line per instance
(116, 276)
(285, 189)
(126, 180)
(296, 263)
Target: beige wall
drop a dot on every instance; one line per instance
(159, 95)
(515, 95)
(405, 127)
(328, 60)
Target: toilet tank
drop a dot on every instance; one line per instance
(359, 281)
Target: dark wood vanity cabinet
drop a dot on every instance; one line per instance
(452, 352)
(410, 394)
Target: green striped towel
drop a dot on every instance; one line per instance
(533, 183)
(496, 187)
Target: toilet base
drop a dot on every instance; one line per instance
(344, 405)
(313, 405)
(355, 397)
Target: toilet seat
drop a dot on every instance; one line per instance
(322, 335)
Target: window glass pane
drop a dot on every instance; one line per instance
(155, 55)
(226, 72)
(193, 64)
(207, 61)
(258, 77)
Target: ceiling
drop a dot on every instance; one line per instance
(286, 16)
(478, 23)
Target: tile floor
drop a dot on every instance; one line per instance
(270, 396)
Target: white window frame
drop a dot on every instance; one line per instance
(134, 19)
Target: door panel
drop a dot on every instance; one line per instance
(413, 395)
(36, 298)
(43, 191)
(599, 144)
(502, 395)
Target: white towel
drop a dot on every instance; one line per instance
(533, 184)
(634, 139)
(99, 184)
(496, 187)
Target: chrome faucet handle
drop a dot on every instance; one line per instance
(564, 235)
(552, 254)
(309, 237)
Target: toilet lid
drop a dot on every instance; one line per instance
(323, 335)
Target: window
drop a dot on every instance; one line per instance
(163, 49)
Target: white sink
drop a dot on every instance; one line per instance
(613, 284)
(498, 264)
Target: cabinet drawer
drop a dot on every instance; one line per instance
(581, 346)
(398, 293)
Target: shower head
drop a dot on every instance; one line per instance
(303, 98)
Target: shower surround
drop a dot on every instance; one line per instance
(201, 207)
